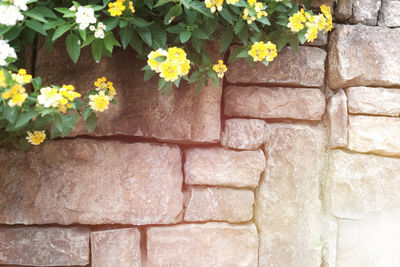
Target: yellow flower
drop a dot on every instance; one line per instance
(2, 79)
(214, 5)
(116, 8)
(131, 7)
(231, 2)
(296, 21)
(251, 2)
(184, 67)
(106, 86)
(155, 59)
(258, 6)
(176, 54)
(312, 32)
(21, 77)
(245, 14)
(261, 14)
(99, 102)
(36, 138)
(260, 51)
(17, 94)
(321, 22)
(272, 52)
(169, 71)
(220, 68)
(68, 92)
(326, 10)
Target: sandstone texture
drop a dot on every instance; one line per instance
(44, 246)
(366, 11)
(373, 100)
(143, 110)
(368, 244)
(344, 10)
(89, 182)
(364, 56)
(119, 247)
(336, 120)
(244, 134)
(389, 13)
(217, 166)
(322, 38)
(373, 134)
(329, 240)
(219, 204)
(303, 68)
(360, 186)
(288, 208)
(262, 102)
(199, 245)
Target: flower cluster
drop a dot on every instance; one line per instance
(52, 97)
(10, 14)
(36, 137)
(6, 51)
(106, 93)
(263, 51)
(84, 16)
(118, 7)
(220, 68)
(254, 9)
(215, 5)
(99, 30)
(16, 95)
(171, 64)
(313, 23)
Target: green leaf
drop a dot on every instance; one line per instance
(226, 40)
(65, 11)
(227, 16)
(111, 23)
(54, 23)
(110, 41)
(123, 23)
(36, 26)
(88, 41)
(184, 36)
(207, 59)
(91, 122)
(54, 133)
(86, 113)
(234, 54)
(167, 87)
(173, 12)
(126, 36)
(161, 83)
(302, 37)
(25, 117)
(44, 11)
(97, 49)
(211, 25)
(139, 22)
(23, 144)
(42, 122)
(34, 14)
(200, 34)
(163, 2)
(69, 122)
(148, 74)
(145, 34)
(238, 26)
(201, 7)
(73, 46)
(159, 36)
(60, 31)
(13, 33)
(213, 75)
(36, 83)
(58, 121)
(136, 43)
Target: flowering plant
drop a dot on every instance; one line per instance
(170, 34)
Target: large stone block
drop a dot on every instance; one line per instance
(217, 166)
(366, 12)
(303, 68)
(262, 102)
(360, 186)
(199, 245)
(44, 246)
(143, 110)
(364, 56)
(244, 134)
(368, 243)
(218, 204)
(389, 13)
(344, 10)
(119, 247)
(288, 208)
(373, 100)
(89, 182)
(371, 134)
(336, 120)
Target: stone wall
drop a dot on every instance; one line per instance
(294, 165)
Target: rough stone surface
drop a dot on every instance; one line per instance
(336, 120)
(304, 68)
(44, 246)
(262, 102)
(143, 110)
(217, 166)
(364, 56)
(288, 208)
(218, 204)
(244, 134)
(329, 240)
(360, 186)
(322, 39)
(199, 245)
(366, 12)
(89, 182)
(368, 244)
(119, 247)
(373, 100)
(389, 13)
(344, 10)
(376, 135)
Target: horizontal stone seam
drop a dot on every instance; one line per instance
(268, 85)
(365, 153)
(373, 115)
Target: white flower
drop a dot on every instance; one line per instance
(9, 15)
(101, 26)
(6, 51)
(84, 17)
(73, 8)
(49, 97)
(99, 33)
(92, 28)
(21, 4)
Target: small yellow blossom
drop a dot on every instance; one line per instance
(106, 86)
(2, 79)
(296, 22)
(326, 10)
(131, 7)
(176, 54)
(261, 14)
(17, 94)
(231, 2)
(184, 67)
(251, 2)
(312, 32)
(116, 8)
(263, 51)
(22, 77)
(258, 6)
(169, 71)
(220, 68)
(99, 102)
(36, 138)
(214, 5)
(154, 59)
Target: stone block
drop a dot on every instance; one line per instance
(366, 12)
(277, 102)
(336, 120)
(344, 10)
(90, 182)
(389, 13)
(245, 134)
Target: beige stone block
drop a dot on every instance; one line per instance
(288, 208)
(245, 134)
(277, 102)
(389, 13)
(364, 56)
(336, 120)
(217, 166)
(303, 68)
(218, 204)
(344, 10)
(199, 245)
(91, 182)
(118, 247)
(372, 134)
(366, 12)
(44, 246)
